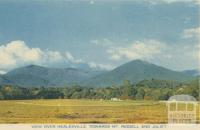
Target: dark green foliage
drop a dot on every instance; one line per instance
(128, 90)
(154, 83)
(145, 90)
(192, 88)
(1, 96)
(50, 93)
(140, 93)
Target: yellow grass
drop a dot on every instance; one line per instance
(82, 111)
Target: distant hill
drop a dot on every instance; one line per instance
(136, 71)
(194, 72)
(33, 75)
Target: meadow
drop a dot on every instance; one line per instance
(82, 111)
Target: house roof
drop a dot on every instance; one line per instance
(182, 98)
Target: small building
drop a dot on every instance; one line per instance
(115, 99)
(101, 99)
(182, 109)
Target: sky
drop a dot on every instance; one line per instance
(99, 34)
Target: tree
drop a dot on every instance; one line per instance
(76, 95)
(50, 94)
(1, 96)
(166, 94)
(7, 91)
(128, 90)
(140, 93)
(156, 93)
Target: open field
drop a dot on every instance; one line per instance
(82, 111)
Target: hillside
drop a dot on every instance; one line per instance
(136, 71)
(4, 80)
(33, 75)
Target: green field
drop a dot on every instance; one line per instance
(82, 111)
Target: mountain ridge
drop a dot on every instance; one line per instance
(48, 76)
(135, 71)
(193, 72)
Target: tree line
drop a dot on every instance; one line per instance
(144, 90)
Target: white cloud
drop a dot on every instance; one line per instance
(175, 56)
(100, 66)
(137, 50)
(94, 42)
(91, 64)
(154, 2)
(91, 2)
(52, 56)
(173, 1)
(17, 53)
(191, 33)
(70, 58)
(105, 42)
(2, 72)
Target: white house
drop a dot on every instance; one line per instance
(115, 99)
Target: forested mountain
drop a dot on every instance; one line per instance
(134, 71)
(34, 76)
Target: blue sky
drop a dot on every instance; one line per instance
(99, 34)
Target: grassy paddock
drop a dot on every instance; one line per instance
(82, 111)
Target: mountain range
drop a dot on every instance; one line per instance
(194, 72)
(135, 71)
